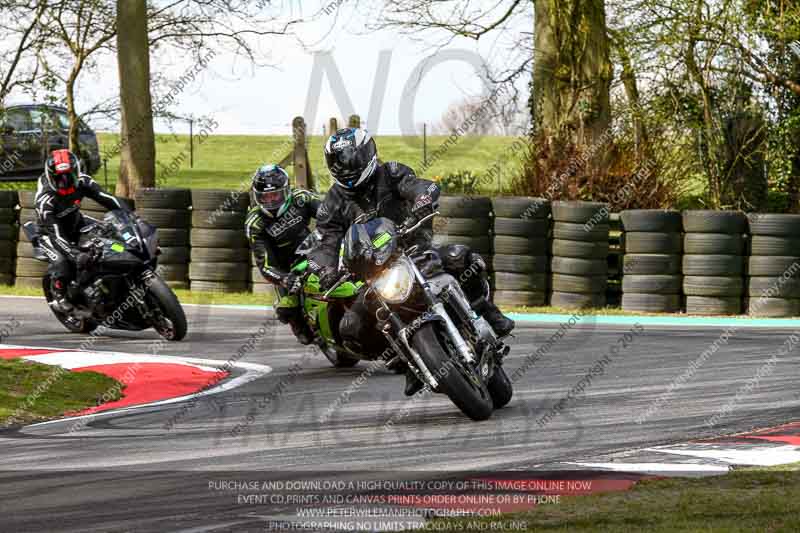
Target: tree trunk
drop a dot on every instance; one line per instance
(572, 71)
(138, 154)
(74, 125)
(641, 137)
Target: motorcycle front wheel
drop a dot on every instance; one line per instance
(72, 323)
(171, 324)
(500, 388)
(460, 383)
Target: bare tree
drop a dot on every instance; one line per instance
(20, 27)
(77, 29)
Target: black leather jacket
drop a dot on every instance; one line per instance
(391, 193)
(60, 214)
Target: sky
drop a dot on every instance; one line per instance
(243, 99)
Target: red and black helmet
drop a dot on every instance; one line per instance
(62, 170)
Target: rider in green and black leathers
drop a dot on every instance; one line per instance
(275, 226)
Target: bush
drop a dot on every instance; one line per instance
(460, 182)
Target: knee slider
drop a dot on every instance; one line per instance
(455, 257)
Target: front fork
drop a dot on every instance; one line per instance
(438, 313)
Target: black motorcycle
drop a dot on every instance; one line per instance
(425, 317)
(117, 286)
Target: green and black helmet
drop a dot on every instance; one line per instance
(270, 190)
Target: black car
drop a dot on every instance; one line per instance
(28, 133)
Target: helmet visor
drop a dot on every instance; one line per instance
(271, 199)
(64, 181)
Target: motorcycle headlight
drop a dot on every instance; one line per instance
(395, 283)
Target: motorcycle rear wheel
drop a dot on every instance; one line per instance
(161, 295)
(73, 324)
(464, 388)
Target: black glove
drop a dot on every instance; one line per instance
(423, 206)
(84, 259)
(293, 284)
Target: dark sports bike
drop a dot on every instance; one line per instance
(119, 286)
(424, 317)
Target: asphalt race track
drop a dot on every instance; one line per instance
(130, 472)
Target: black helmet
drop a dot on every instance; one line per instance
(270, 190)
(352, 157)
(62, 171)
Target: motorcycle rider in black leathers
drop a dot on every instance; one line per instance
(275, 226)
(365, 189)
(58, 201)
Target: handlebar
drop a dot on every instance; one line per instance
(338, 283)
(403, 231)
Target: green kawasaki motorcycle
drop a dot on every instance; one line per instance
(423, 320)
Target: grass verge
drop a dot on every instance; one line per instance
(185, 296)
(32, 391)
(751, 499)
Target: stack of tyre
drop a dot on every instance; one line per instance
(28, 271)
(579, 264)
(8, 235)
(615, 254)
(651, 267)
(465, 220)
(168, 210)
(521, 228)
(220, 257)
(773, 268)
(713, 262)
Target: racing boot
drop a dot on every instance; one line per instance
(60, 302)
(301, 330)
(413, 383)
(501, 324)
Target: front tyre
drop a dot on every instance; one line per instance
(170, 320)
(459, 382)
(500, 388)
(72, 323)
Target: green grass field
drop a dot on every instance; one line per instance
(32, 391)
(746, 500)
(226, 161)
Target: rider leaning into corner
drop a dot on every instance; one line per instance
(276, 224)
(365, 189)
(60, 191)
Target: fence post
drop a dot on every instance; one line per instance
(302, 167)
(333, 125)
(355, 121)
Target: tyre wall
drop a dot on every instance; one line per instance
(220, 254)
(168, 210)
(579, 262)
(8, 236)
(570, 254)
(773, 265)
(651, 266)
(520, 261)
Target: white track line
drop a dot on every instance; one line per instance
(764, 455)
(251, 372)
(655, 468)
